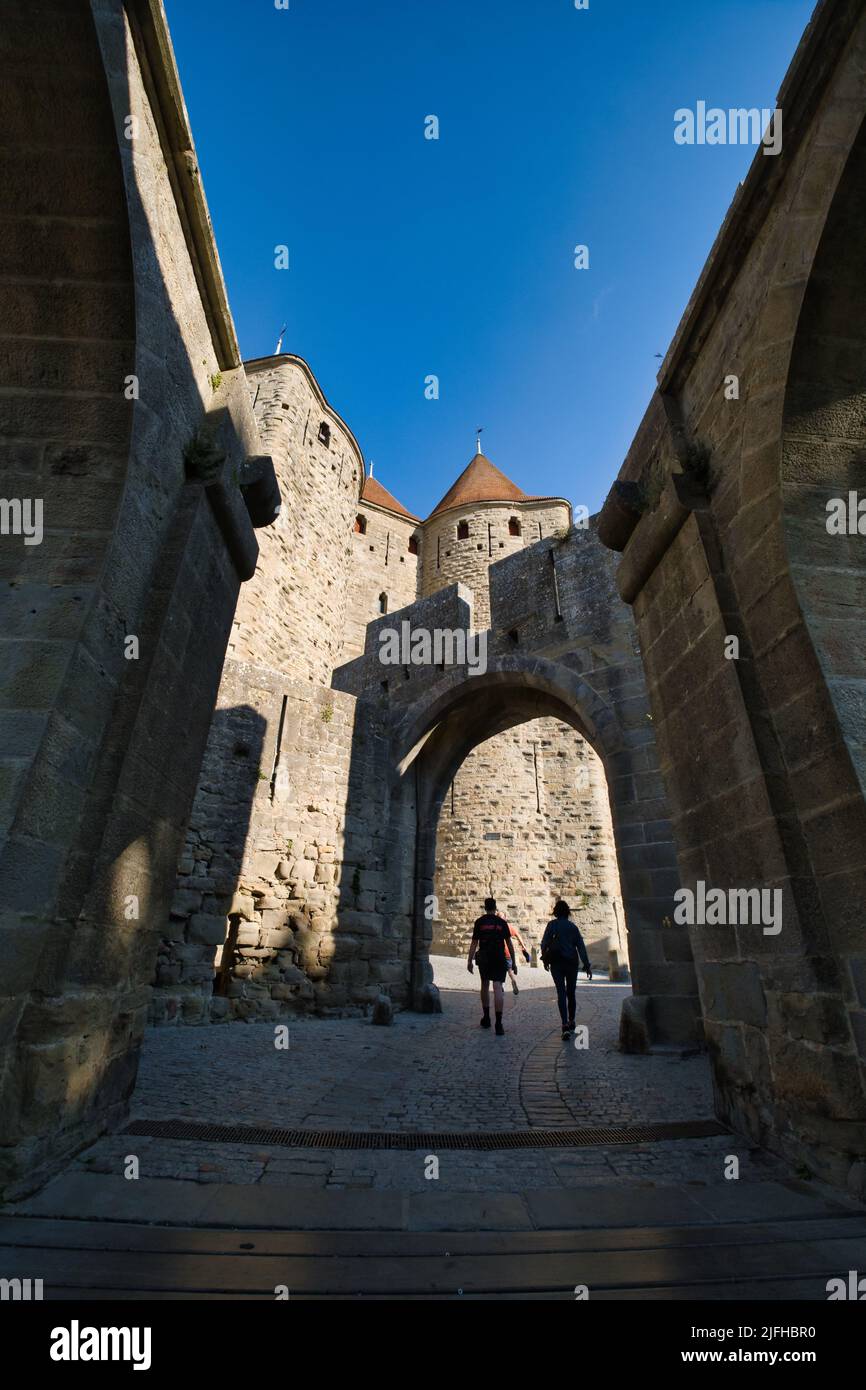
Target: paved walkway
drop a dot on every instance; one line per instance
(236, 1221)
(439, 1073)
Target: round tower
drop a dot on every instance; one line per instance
(527, 817)
(482, 518)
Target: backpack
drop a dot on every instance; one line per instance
(551, 953)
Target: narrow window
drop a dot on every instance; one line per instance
(413, 545)
(513, 526)
(555, 587)
(360, 527)
(325, 434)
(278, 747)
(438, 550)
(463, 530)
(383, 603)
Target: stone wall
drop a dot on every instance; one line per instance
(290, 897)
(760, 744)
(381, 564)
(292, 615)
(527, 820)
(445, 559)
(108, 738)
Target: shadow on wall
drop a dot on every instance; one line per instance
(201, 967)
(107, 736)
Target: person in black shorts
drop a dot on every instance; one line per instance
(491, 944)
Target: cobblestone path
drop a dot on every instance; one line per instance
(438, 1072)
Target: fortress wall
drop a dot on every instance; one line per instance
(381, 564)
(292, 614)
(290, 891)
(527, 820)
(101, 252)
(446, 560)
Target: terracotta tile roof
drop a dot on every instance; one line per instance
(480, 481)
(374, 492)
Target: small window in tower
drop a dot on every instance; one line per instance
(413, 545)
(360, 527)
(513, 526)
(383, 603)
(463, 530)
(325, 434)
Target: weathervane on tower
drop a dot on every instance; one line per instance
(478, 432)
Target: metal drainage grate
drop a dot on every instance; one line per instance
(359, 1139)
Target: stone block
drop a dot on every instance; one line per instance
(242, 905)
(275, 938)
(734, 992)
(209, 931)
(383, 1011)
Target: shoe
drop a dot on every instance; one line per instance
(485, 1022)
(571, 1025)
(500, 1031)
(565, 1035)
(514, 985)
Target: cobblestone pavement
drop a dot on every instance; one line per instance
(439, 1072)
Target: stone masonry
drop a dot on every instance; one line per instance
(273, 913)
(527, 819)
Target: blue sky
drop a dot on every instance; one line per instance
(455, 257)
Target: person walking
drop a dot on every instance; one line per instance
(562, 947)
(491, 944)
(521, 944)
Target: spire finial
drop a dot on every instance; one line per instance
(279, 346)
(479, 433)
(370, 474)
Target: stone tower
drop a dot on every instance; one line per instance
(482, 518)
(527, 816)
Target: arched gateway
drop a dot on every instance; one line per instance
(561, 646)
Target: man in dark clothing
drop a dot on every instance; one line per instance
(491, 940)
(561, 947)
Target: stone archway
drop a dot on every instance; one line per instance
(761, 741)
(460, 712)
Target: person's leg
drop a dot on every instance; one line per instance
(485, 1002)
(571, 985)
(498, 1001)
(558, 974)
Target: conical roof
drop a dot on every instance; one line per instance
(379, 496)
(480, 481)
